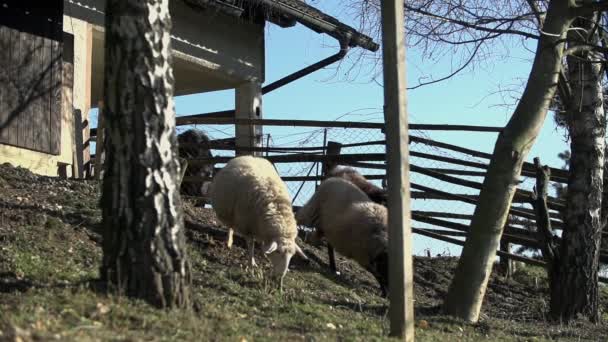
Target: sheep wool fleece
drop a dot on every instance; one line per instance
(249, 196)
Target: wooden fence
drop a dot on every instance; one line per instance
(439, 224)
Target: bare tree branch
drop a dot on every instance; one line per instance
(477, 26)
(462, 67)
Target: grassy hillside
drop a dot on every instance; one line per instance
(50, 254)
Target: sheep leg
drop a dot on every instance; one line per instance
(230, 237)
(251, 245)
(332, 258)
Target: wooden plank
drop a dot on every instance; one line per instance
(299, 158)
(449, 160)
(366, 143)
(190, 179)
(464, 128)
(5, 67)
(401, 268)
(47, 61)
(553, 202)
(446, 178)
(88, 64)
(441, 232)
(78, 171)
(21, 79)
(26, 77)
(429, 142)
(333, 149)
(442, 214)
(558, 175)
(198, 120)
(275, 122)
(13, 94)
(55, 117)
(39, 126)
(461, 243)
(100, 144)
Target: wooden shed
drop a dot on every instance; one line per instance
(52, 62)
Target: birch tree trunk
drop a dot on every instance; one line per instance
(144, 252)
(468, 287)
(574, 281)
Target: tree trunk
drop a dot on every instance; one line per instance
(143, 239)
(468, 287)
(574, 282)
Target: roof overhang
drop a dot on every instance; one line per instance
(286, 13)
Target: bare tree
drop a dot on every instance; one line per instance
(144, 252)
(574, 292)
(472, 30)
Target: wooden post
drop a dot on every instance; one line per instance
(324, 153)
(99, 144)
(333, 148)
(78, 171)
(401, 307)
(248, 106)
(86, 98)
(506, 265)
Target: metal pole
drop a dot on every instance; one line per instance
(401, 309)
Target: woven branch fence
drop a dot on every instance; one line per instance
(445, 179)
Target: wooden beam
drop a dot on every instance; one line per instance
(78, 151)
(333, 149)
(88, 66)
(193, 120)
(401, 270)
(248, 99)
(523, 259)
(100, 143)
(293, 158)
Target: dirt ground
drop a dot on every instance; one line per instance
(50, 255)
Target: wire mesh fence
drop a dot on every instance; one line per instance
(445, 178)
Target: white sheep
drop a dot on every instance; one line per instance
(249, 196)
(351, 223)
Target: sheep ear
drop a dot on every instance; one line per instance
(273, 247)
(300, 252)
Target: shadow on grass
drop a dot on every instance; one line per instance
(9, 282)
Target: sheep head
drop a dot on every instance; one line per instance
(280, 254)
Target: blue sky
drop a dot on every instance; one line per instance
(471, 98)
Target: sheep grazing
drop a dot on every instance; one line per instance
(374, 192)
(194, 144)
(249, 196)
(351, 223)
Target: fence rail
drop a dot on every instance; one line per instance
(447, 173)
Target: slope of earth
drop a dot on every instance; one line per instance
(50, 255)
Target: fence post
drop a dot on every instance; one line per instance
(401, 307)
(324, 153)
(99, 143)
(248, 98)
(333, 149)
(78, 157)
(506, 265)
(85, 70)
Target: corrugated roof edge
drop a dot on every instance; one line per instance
(307, 15)
(318, 21)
